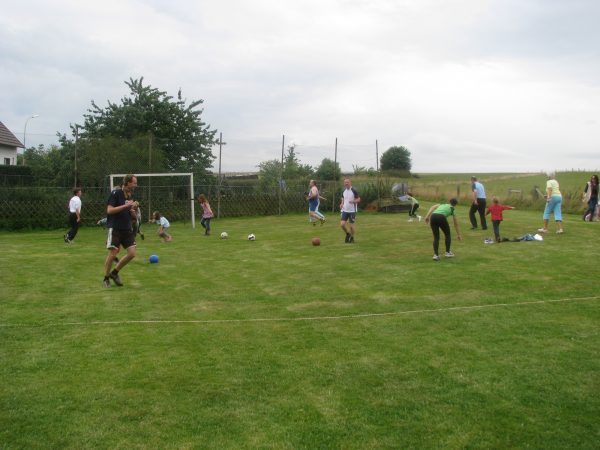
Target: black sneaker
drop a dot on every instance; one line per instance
(348, 236)
(142, 236)
(106, 282)
(351, 241)
(116, 279)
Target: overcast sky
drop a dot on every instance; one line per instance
(466, 85)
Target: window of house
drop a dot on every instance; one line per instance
(7, 161)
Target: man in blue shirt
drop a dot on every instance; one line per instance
(478, 204)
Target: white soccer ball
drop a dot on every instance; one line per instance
(224, 235)
(251, 237)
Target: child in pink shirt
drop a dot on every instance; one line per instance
(207, 214)
(496, 211)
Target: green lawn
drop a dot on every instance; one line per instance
(279, 344)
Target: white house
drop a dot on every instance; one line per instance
(8, 146)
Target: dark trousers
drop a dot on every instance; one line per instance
(496, 225)
(205, 222)
(480, 207)
(591, 209)
(74, 226)
(439, 222)
(413, 210)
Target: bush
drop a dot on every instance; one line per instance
(15, 176)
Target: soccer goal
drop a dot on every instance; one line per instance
(118, 176)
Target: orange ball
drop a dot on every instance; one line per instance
(316, 241)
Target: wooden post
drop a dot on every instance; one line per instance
(334, 178)
(281, 172)
(219, 180)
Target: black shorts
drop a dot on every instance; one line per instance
(348, 216)
(116, 238)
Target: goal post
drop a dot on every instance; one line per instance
(112, 176)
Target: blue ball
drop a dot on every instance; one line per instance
(153, 258)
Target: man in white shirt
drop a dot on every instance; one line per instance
(74, 215)
(349, 207)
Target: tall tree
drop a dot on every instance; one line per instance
(176, 128)
(396, 158)
(328, 170)
(271, 171)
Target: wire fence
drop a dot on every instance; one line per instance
(36, 195)
(33, 207)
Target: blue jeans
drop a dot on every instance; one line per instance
(553, 206)
(205, 222)
(592, 205)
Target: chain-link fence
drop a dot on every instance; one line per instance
(33, 207)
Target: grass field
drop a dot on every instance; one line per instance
(279, 344)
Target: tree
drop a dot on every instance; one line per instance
(50, 166)
(362, 170)
(292, 168)
(270, 172)
(328, 170)
(396, 158)
(175, 128)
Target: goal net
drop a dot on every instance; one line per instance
(170, 193)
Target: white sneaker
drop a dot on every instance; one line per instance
(542, 230)
(436, 257)
(559, 231)
(419, 217)
(449, 255)
(410, 220)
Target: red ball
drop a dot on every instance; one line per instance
(316, 241)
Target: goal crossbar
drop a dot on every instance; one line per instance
(112, 176)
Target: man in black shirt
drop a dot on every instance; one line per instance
(120, 229)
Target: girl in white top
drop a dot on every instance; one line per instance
(164, 226)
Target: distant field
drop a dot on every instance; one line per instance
(279, 344)
(510, 188)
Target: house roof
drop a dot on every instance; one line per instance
(7, 138)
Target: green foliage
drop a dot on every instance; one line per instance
(372, 191)
(396, 158)
(177, 128)
(361, 170)
(15, 175)
(293, 170)
(328, 170)
(97, 157)
(279, 344)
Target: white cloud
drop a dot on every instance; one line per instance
(466, 85)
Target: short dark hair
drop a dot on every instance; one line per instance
(453, 202)
(76, 190)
